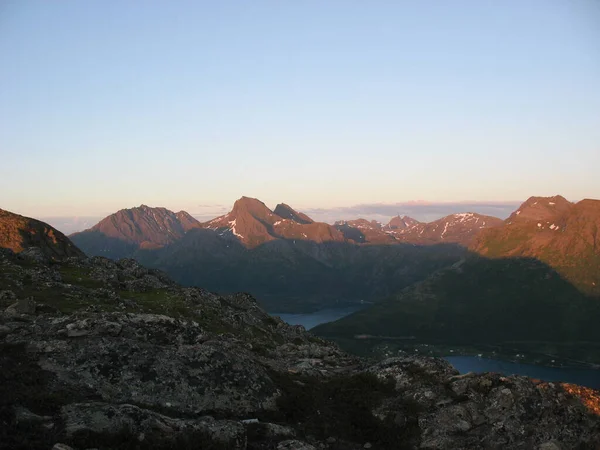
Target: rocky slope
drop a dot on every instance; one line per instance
(562, 234)
(21, 233)
(128, 230)
(103, 354)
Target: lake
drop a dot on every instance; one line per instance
(583, 377)
(311, 320)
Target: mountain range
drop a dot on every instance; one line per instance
(460, 228)
(289, 261)
(293, 263)
(252, 223)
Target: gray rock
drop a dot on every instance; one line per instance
(108, 419)
(21, 306)
(294, 445)
(23, 415)
(550, 445)
(7, 295)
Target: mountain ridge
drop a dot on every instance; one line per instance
(129, 229)
(562, 234)
(20, 233)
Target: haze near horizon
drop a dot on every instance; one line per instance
(111, 104)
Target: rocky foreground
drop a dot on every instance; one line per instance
(102, 354)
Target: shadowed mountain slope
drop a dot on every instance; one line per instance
(564, 235)
(479, 301)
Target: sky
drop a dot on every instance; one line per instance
(322, 105)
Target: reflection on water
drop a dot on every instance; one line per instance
(583, 377)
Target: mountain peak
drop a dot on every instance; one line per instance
(252, 205)
(253, 224)
(401, 222)
(287, 212)
(139, 227)
(541, 208)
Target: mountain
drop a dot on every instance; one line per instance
(287, 212)
(297, 275)
(124, 232)
(20, 233)
(363, 231)
(456, 228)
(512, 305)
(562, 234)
(285, 258)
(109, 354)
(401, 223)
(254, 224)
(459, 228)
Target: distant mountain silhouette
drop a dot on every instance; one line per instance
(458, 228)
(19, 233)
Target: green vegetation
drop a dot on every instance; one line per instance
(79, 276)
(159, 301)
(518, 303)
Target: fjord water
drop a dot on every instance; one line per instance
(583, 377)
(464, 364)
(311, 320)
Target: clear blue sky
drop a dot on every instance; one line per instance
(109, 104)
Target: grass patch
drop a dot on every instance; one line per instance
(79, 277)
(160, 301)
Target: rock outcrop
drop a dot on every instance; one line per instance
(102, 354)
